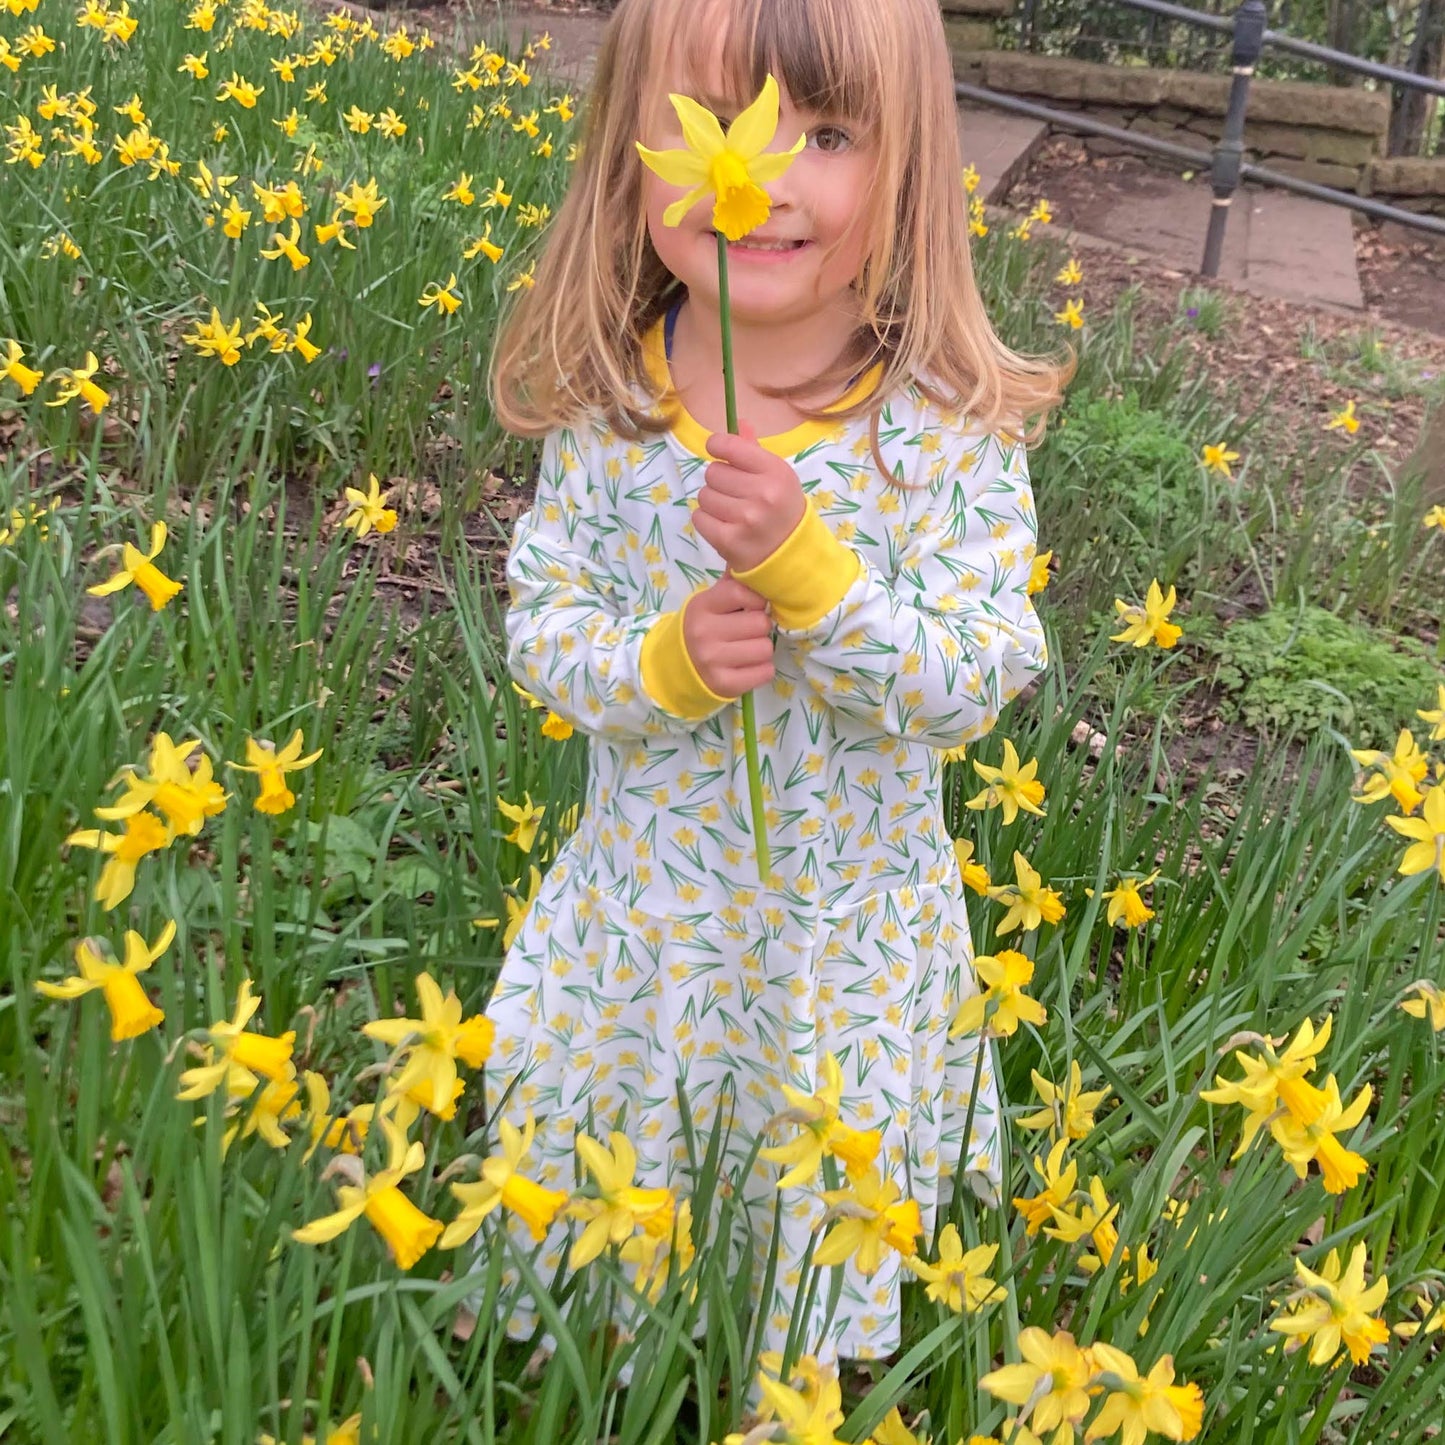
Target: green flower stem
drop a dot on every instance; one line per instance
(750, 725)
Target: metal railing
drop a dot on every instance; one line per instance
(1251, 33)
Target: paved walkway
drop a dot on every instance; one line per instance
(1277, 243)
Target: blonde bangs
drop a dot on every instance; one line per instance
(573, 345)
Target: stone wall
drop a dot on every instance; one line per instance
(972, 29)
(1417, 185)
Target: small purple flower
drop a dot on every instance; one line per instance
(1192, 313)
(374, 372)
(342, 354)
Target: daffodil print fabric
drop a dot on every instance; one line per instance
(652, 956)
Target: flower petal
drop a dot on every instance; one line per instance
(701, 131)
(753, 131)
(677, 168)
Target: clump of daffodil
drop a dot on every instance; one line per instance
(143, 833)
(733, 168)
(503, 1185)
(821, 1131)
(432, 1044)
(408, 1232)
(131, 1011)
(1334, 1309)
(621, 1207)
(1068, 1111)
(272, 766)
(1149, 623)
(1010, 787)
(139, 568)
(368, 510)
(178, 784)
(1003, 1004)
(959, 1279)
(1029, 902)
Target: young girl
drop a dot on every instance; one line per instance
(858, 560)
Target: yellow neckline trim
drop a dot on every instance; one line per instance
(693, 435)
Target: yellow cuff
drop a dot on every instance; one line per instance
(668, 675)
(808, 576)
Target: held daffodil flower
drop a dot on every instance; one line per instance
(433, 1044)
(408, 1232)
(502, 1184)
(1149, 623)
(368, 509)
(139, 567)
(272, 767)
(733, 168)
(131, 1011)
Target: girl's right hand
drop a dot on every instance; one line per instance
(728, 635)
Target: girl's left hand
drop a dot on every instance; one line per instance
(751, 500)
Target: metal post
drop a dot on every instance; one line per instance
(1250, 22)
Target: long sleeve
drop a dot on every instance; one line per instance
(932, 653)
(570, 640)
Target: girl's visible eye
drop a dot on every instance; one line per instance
(832, 138)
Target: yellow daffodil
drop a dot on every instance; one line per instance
(732, 168)
(554, 727)
(1039, 573)
(527, 816)
(483, 245)
(496, 196)
(1149, 623)
(279, 203)
(1072, 274)
(959, 1280)
(1397, 774)
(432, 1044)
(868, 1216)
(77, 382)
(461, 191)
(143, 833)
(348, 1432)
(408, 1232)
(1068, 1111)
(1345, 420)
(360, 202)
(821, 1130)
(1308, 1135)
(286, 246)
(231, 1052)
(139, 567)
(1030, 904)
(1072, 315)
(517, 908)
(652, 1254)
(1059, 1182)
(1435, 716)
(621, 1207)
(299, 342)
(502, 1184)
(1125, 904)
(26, 378)
(346, 1132)
(1053, 1376)
(195, 65)
(1218, 459)
(1088, 1216)
(971, 178)
(975, 875)
(131, 1011)
(174, 785)
(1003, 1004)
(263, 759)
(808, 1417)
(1335, 1309)
(524, 280)
(1435, 517)
(241, 91)
(215, 338)
(334, 230)
(1272, 1081)
(444, 298)
(1429, 1005)
(236, 220)
(358, 120)
(390, 124)
(316, 94)
(1135, 1405)
(1009, 787)
(1428, 831)
(132, 110)
(368, 509)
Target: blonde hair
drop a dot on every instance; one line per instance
(574, 345)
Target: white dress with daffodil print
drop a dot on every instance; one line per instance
(652, 955)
